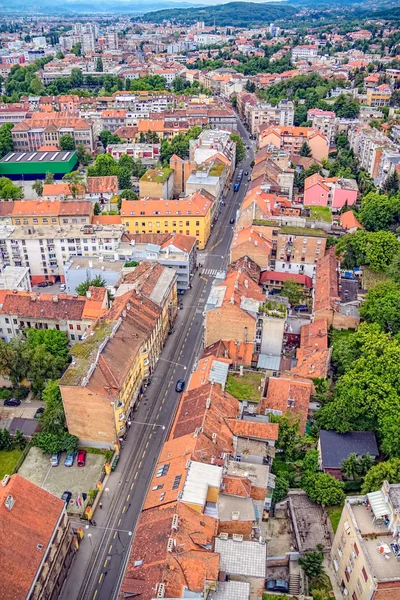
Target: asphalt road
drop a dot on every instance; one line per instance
(110, 543)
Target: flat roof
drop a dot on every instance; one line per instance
(231, 590)
(199, 478)
(60, 232)
(248, 559)
(59, 156)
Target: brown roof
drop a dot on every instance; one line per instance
(246, 265)
(285, 388)
(315, 335)
(146, 238)
(236, 486)
(27, 529)
(146, 276)
(44, 306)
(190, 563)
(237, 352)
(254, 430)
(326, 290)
(6, 208)
(182, 242)
(102, 185)
(127, 132)
(48, 207)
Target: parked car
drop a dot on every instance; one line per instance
(43, 284)
(81, 458)
(66, 496)
(278, 585)
(55, 459)
(180, 385)
(69, 461)
(39, 412)
(63, 287)
(232, 220)
(12, 402)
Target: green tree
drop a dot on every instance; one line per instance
(311, 563)
(392, 184)
(124, 178)
(67, 142)
(99, 65)
(393, 269)
(19, 440)
(49, 178)
(293, 291)
(14, 360)
(76, 79)
(104, 166)
(83, 156)
(38, 187)
(10, 191)
(5, 440)
(281, 488)
(375, 249)
(345, 107)
(55, 341)
(77, 49)
(59, 55)
(240, 147)
(96, 209)
(43, 367)
(384, 471)
(52, 419)
(305, 150)
(82, 288)
(311, 462)
(350, 467)
(129, 195)
(6, 141)
(324, 489)
(382, 306)
(56, 442)
(379, 212)
(76, 182)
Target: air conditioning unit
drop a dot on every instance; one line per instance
(235, 515)
(223, 536)
(208, 402)
(160, 590)
(214, 438)
(170, 545)
(175, 520)
(237, 538)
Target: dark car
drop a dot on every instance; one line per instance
(43, 284)
(232, 220)
(81, 458)
(180, 385)
(12, 402)
(278, 585)
(66, 497)
(39, 412)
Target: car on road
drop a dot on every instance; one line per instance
(232, 220)
(55, 459)
(246, 172)
(63, 287)
(180, 385)
(81, 458)
(43, 284)
(12, 402)
(38, 413)
(249, 179)
(278, 585)
(69, 461)
(66, 496)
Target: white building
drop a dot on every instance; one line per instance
(306, 52)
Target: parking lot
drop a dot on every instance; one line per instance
(36, 468)
(50, 289)
(26, 410)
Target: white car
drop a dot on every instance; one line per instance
(63, 287)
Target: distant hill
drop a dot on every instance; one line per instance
(236, 14)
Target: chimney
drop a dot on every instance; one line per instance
(88, 294)
(55, 299)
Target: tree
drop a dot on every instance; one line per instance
(382, 306)
(14, 360)
(104, 166)
(293, 291)
(5, 440)
(83, 156)
(311, 563)
(76, 182)
(77, 49)
(67, 142)
(240, 147)
(124, 178)
(311, 462)
(392, 183)
(53, 418)
(49, 178)
(324, 489)
(96, 209)
(38, 187)
(59, 55)
(305, 150)
(76, 78)
(129, 195)
(82, 288)
(6, 141)
(10, 191)
(55, 341)
(375, 249)
(379, 212)
(44, 366)
(350, 466)
(281, 488)
(345, 107)
(56, 442)
(99, 65)
(384, 471)
(19, 440)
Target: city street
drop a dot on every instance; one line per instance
(99, 565)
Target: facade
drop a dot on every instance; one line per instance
(261, 113)
(379, 96)
(291, 139)
(40, 548)
(324, 121)
(79, 270)
(113, 119)
(147, 153)
(188, 216)
(298, 250)
(157, 183)
(45, 129)
(333, 192)
(306, 52)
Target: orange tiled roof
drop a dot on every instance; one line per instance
(24, 528)
(239, 353)
(49, 208)
(285, 388)
(326, 290)
(349, 220)
(203, 373)
(196, 204)
(315, 335)
(59, 189)
(236, 486)
(102, 185)
(253, 430)
(46, 306)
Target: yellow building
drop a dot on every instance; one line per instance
(188, 216)
(379, 96)
(157, 183)
(47, 212)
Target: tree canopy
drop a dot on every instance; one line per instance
(374, 249)
(97, 281)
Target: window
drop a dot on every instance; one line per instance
(364, 574)
(354, 596)
(356, 550)
(71, 326)
(197, 223)
(177, 481)
(78, 327)
(187, 223)
(163, 470)
(347, 575)
(72, 337)
(359, 586)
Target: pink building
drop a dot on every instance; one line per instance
(333, 192)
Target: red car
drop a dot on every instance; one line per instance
(81, 458)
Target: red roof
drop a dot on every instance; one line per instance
(267, 276)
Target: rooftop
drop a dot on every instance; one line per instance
(231, 590)
(248, 559)
(29, 157)
(336, 447)
(157, 175)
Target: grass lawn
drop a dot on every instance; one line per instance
(245, 387)
(334, 513)
(370, 278)
(321, 588)
(320, 213)
(8, 460)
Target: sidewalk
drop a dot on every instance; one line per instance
(329, 571)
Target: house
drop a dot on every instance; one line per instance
(113, 119)
(365, 548)
(251, 243)
(349, 222)
(157, 183)
(273, 281)
(47, 212)
(313, 356)
(291, 139)
(334, 192)
(40, 543)
(379, 96)
(102, 189)
(287, 395)
(334, 448)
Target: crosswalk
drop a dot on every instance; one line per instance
(212, 272)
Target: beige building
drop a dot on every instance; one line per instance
(291, 139)
(366, 549)
(157, 183)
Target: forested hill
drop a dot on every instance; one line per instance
(236, 14)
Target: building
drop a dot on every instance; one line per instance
(35, 165)
(45, 129)
(157, 183)
(379, 96)
(78, 270)
(250, 242)
(366, 545)
(45, 212)
(187, 216)
(40, 544)
(334, 448)
(333, 192)
(102, 189)
(291, 139)
(262, 113)
(212, 143)
(15, 278)
(306, 52)
(71, 314)
(324, 121)
(113, 119)
(287, 395)
(298, 249)
(147, 153)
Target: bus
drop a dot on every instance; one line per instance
(238, 181)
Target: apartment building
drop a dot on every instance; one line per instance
(113, 119)
(55, 213)
(368, 145)
(259, 205)
(71, 314)
(187, 216)
(291, 139)
(250, 242)
(13, 112)
(324, 121)
(45, 249)
(379, 96)
(157, 183)
(147, 153)
(281, 115)
(298, 249)
(45, 129)
(213, 144)
(389, 164)
(366, 547)
(305, 52)
(333, 192)
(287, 395)
(40, 543)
